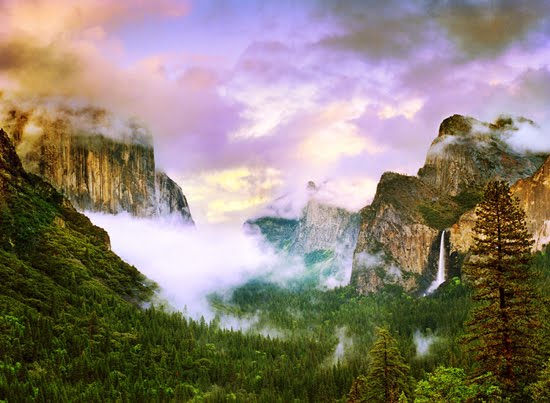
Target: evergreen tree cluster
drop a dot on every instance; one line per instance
(74, 324)
(503, 333)
(502, 330)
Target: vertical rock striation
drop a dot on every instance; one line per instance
(533, 194)
(534, 197)
(324, 227)
(324, 235)
(393, 232)
(100, 163)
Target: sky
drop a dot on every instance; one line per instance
(249, 100)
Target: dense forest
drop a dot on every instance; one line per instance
(77, 324)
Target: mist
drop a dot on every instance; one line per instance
(189, 264)
(372, 261)
(345, 343)
(423, 343)
(528, 138)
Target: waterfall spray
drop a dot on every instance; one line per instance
(440, 269)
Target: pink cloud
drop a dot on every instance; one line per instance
(66, 17)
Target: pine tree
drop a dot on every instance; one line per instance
(502, 327)
(540, 390)
(388, 375)
(357, 390)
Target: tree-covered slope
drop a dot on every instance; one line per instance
(76, 325)
(50, 249)
(73, 325)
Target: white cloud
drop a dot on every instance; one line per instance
(186, 262)
(190, 263)
(529, 138)
(230, 195)
(407, 108)
(351, 193)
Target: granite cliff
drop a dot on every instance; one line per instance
(533, 194)
(399, 231)
(393, 233)
(468, 153)
(37, 206)
(324, 235)
(99, 162)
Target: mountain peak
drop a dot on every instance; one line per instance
(100, 161)
(456, 125)
(412, 210)
(311, 186)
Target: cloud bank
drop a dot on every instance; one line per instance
(286, 93)
(187, 263)
(190, 263)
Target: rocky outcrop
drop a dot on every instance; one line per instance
(170, 198)
(533, 194)
(469, 152)
(394, 230)
(324, 235)
(100, 163)
(400, 228)
(26, 192)
(324, 227)
(461, 232)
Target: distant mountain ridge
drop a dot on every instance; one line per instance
(324, 235)
(99, 162)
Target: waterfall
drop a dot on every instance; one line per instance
(440, 268)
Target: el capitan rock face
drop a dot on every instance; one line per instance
(98, 162)
(16, 183)
(399, 230)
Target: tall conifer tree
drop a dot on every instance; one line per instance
(388, 375)
(502, 326)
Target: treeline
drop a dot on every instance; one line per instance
(116, 352)
(100, 347)
(312, 313)
(74, 327)
(506, 330)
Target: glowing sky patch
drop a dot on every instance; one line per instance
(231, 194)
(407, 109)
(248, 100)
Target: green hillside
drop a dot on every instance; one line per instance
(74, 322)
(77, 323)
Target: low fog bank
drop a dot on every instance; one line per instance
(190, 263)
(345, 343)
